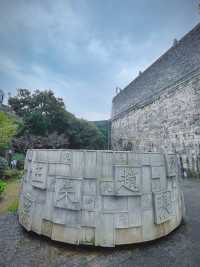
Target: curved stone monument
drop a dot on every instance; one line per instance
(101, 198)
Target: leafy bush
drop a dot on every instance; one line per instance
(14, 206)
(3, 165)
(2, 186)
(12, 174)
(193, 174)
(8, 128)
(19, 157)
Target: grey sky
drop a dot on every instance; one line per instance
(83, 49)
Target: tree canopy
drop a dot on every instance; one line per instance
(46, 119)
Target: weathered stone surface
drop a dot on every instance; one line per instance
(116, 198)
(160, 109)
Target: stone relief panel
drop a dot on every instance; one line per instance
(90, 164)
(73, 218)
(88, 218)
(171, 165)
(107, 162)
(39, 175)
(47, 227)
(156, 185)
(89, 202)
(66, 157)
(122, 220)
(89, 187)
(69, 200)
(107, 188)
(163, 206)
(120, 158)
(147, 201)
(113, 203)
(68, 194)
(127, 180)
(56, 169)
(26, 207)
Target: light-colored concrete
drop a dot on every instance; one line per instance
(101, 198)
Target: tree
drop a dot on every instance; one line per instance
(45, 118)
(40, 110)
(8, 128)
(86, 135)
(29, 141)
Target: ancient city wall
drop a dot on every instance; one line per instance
(160, 109)
(169, 123)
(179, 61)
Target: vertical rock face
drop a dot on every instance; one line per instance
(101, 198)
(161, 108)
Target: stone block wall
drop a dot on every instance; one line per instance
(170, 123)
(179, 61)
(101, 198)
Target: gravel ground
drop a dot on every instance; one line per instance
(181, 248)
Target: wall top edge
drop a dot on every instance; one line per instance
(141, 104)
(101, 151)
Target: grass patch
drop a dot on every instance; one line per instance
(10, 197)
(14, 206)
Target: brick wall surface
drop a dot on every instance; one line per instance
(160, 109)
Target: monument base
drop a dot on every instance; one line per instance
(100, 198)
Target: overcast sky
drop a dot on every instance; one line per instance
(83, 49)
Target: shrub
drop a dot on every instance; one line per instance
(2, 186)
(20, 164)
(193, 174)
(12, 174)
(14, 206)
(3, 165)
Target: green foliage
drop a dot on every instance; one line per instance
(28, 141)
(2, 186)
(40, 110)
(14, 206)
(105, 128)
(193, 174)
(18, 156)
(48, 125)
(36, 123)
(8, 128)
(12, 174)
(86, 135)
(3, 165)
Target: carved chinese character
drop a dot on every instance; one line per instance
(127, 180)
(66, 157)
(163, 206)
(172, 165)
(107, 188)
(67, 194)
(39, 174)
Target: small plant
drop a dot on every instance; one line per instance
(12, 174)
(193, 174)
(3, 165)
(2, 186)
(14, 206)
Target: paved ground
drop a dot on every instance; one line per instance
(180, 249)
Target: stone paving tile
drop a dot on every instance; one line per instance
(180, 249)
